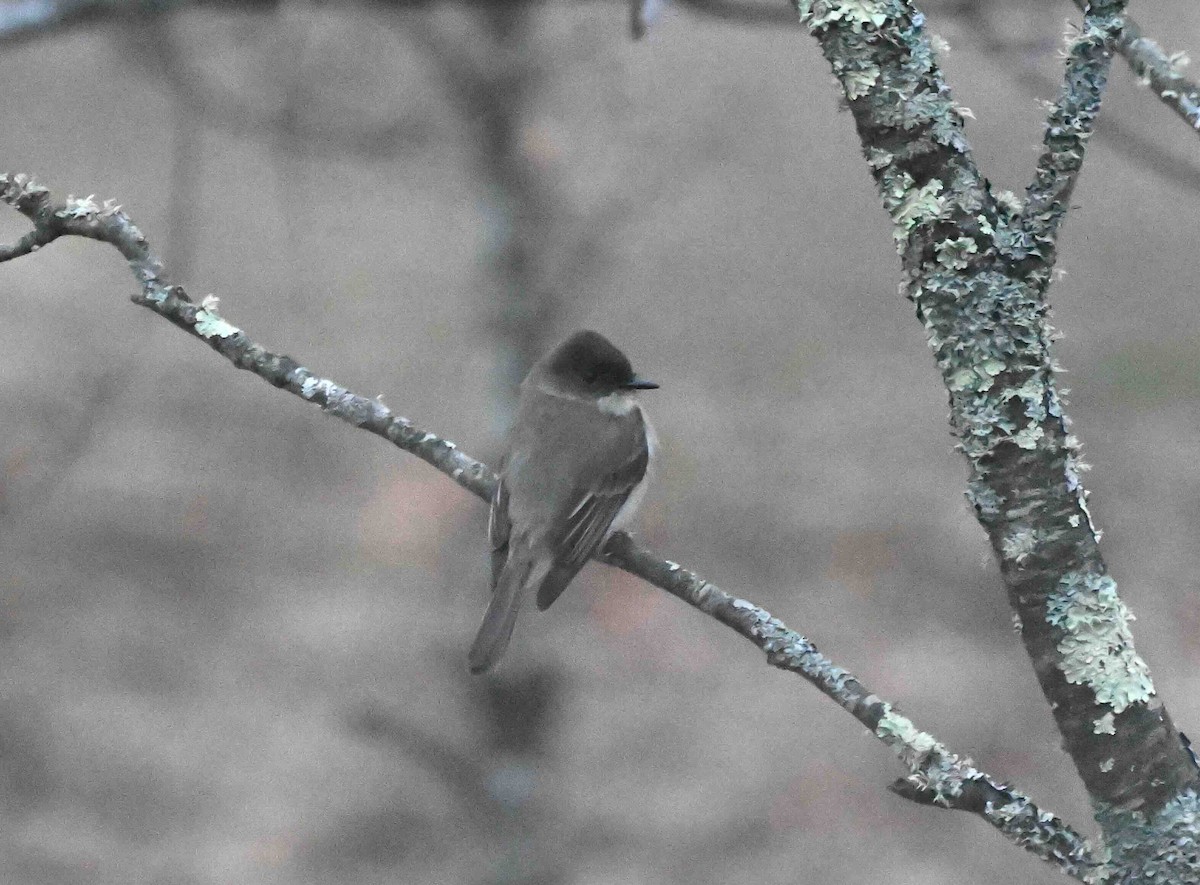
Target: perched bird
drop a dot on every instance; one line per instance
(574, 472)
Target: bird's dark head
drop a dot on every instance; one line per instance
(589, 363)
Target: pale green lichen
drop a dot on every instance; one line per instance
(1029, 436)
(1072, 467)
(14, 187)
(1104, 725)
(878, 158)
(1069, 126)
(977, 378)
(935, 769)
(1045, 835)
(87, 207)
(1009, 202)
(1162, 849)
(967, 378)
(857, 80)
(985, 499)
(1019, 544)
(911, 206)
(856, 13)
(931, 766)
(1097, 645)
(952, 254)
(1033, 395)
(1107, 764)
(312, 385)
(960, 316)
(210, 325)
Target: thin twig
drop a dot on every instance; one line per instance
(936, 775)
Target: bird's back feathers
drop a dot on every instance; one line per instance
(556, 501)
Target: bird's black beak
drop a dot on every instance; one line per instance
(636, 383)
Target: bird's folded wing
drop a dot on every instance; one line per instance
(589, 521)
(499, 529)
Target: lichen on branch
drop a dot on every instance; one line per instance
(976, 267)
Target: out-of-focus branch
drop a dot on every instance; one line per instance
(936, 775)
(1160, 70)
(154, 44)
(537, 248)
(154, 47)
(740, 12)
(22, 19)
(978, 277)
(74, 435)
(29, 19)
(458, 769)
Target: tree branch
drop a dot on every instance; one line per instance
(978, 277)
(1071, 123)
(936, 775)
(1158, 70)
(1134, 144)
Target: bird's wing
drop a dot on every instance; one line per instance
(588, 522)
(499, 529)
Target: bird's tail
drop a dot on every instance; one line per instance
(501, 615)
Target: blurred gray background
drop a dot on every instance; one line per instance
(234, 631)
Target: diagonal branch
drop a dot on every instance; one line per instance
(1159, 70)
(1070, 124)
(935, 774)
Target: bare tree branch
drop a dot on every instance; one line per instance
(457, 768)
(154, 45)
(936, 775)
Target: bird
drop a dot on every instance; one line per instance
(574, 471)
